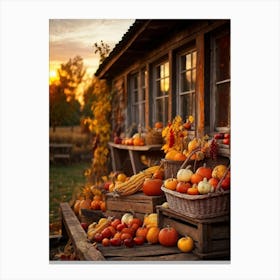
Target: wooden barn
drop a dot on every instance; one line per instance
(164, 68)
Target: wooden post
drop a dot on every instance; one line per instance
(200, 85)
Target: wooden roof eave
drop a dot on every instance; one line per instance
(114, 59)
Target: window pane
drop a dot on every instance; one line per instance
(183, 85)
(183, 63)
(186, 105)
(158, 92)
(135, 96)
(194, 59)
(165, 86)
(188, 80)
(135, 82)
(142, 94)
(166, 69)
(142, 114)
(223, 105)
(161, 109)
(158, 72)
(189, 61)
(135, 114)
(193, 79)
(161, 70)
(223, 58)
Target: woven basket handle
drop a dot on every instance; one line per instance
(189, 156)
(218, 188)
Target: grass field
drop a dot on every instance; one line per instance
(64, 180)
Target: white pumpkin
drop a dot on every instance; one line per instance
(184, 174)
(126, 218)
(204, 187)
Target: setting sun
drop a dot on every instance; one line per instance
(53, 76)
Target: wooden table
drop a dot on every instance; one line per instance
(120, 153)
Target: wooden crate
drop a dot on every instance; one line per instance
(145, 252)
(89, 216)
(211, 236)
(139, 204)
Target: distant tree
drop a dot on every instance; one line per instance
(71, 75)
(65, 109)
(57, 105)
(103, 49)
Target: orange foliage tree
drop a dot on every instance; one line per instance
(99, 126)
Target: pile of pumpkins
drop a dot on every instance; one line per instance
(204, 180)
(129, 231)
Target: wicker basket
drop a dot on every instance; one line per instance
(153, 138)
(202, 206)
(171, 167)
(199, 206)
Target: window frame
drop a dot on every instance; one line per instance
(214, 83)
(140, 90)
(165, 115)
(192, 91)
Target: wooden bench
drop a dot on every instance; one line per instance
(60, 151)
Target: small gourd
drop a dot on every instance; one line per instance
(204, 187)
(193, 144)
(184, 174)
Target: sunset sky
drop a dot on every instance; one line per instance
(71, 37)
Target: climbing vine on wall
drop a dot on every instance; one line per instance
(99, 126)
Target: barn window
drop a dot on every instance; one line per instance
(138, 93)
(160, 95)
(187, 84)
(221, 82)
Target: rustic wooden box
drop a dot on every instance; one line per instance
(211, 236)
(139, 204)
(89, 216)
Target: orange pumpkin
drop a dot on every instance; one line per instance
(158, 125)
(138, 141)
(213, 182)
(179, 157)
(168, 236)
(204, 171)
(159, 174)
(170, 155)
(196, 178)
(102, 206)
(95, 205)
(142, 231)
(152, 235)
(85, 203)
(152, 187)
(97, 197)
